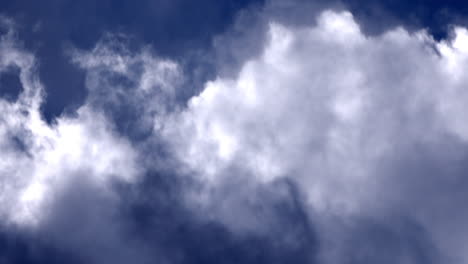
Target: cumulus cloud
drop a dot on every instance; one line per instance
(332, 109)
(329, 144)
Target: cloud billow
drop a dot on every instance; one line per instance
(328, 146)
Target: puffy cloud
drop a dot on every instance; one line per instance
(328, 145)
(336, 112)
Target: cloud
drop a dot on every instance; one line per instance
(131, 88)
(57, 180)
(38, 159)
(330, 108)
(329, 146)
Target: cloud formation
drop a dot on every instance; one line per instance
(341, 114)
(329, 146)
(39, 159)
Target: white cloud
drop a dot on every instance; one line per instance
(38, 159)
(327, 106)
(324, 106)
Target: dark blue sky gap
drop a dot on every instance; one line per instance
(173, 29)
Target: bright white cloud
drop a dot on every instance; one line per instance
(327, 106)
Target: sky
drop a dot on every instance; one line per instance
(237, 131)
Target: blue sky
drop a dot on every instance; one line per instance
(208, 131)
